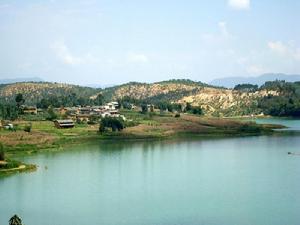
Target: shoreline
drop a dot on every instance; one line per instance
(160, 129)
(22, 168)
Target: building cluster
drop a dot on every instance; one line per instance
(86, 113)
(83, 114)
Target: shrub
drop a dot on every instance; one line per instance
(79, 121)
(177, 115)
(51, 114)
(10, 164)
(15, 220)
(188, 107)
(92, 122)
(144, 108)
(197, 110)
(28, 128)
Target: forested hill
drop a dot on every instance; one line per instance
(277, 98)
(34, 92)
(171, 90)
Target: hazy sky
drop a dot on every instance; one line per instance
(115, 41)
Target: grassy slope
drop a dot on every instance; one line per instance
(33, 92)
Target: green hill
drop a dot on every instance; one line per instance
(271, 98)
(34, 92)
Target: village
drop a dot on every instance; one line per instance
(68, 116)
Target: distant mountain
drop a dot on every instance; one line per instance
(230, 82)
(18, 80)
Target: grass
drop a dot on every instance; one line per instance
(142, 126)
(13, 166)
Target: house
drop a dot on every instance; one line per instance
(105, 114)
(83, 117)
(114, 113)
(85, 110)
(72, 110)
(64, 123)
(6, 125)
(115, 104)
(62, 111)
(110, 106)
(30, 110)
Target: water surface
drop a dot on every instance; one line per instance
(292, 124)
(235, 181)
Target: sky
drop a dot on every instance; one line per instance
(114, 41)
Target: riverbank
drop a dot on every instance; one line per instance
(13, 166)
(44, 136)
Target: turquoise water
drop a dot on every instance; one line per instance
(235, 181)
(291, 123)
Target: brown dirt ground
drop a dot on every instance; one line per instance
(21, 137)
(186, 123)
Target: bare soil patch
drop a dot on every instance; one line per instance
(21, 137)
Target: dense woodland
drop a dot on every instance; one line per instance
(286, 104)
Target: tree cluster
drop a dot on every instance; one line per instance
(286, 104)
(246, 87)
(197, 110)
(69, 101)
(110, 123)
(280, 106)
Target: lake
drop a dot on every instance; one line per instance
(292, 124)
(233, 181)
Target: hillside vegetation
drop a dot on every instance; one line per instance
(273, 98)
(213, 100)
(34, 92)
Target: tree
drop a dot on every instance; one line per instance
(102, 127)
(170, 107)
(246, 87)
(2, 154)
(144, 108)
(28, 128)
(177, 107)
(127, 105)
(188, 107)
(44, 104)
(193, 109)
(113, 123)
(197, 110)
(99, 100)
(93, 119)
(52, 114)
(163, 106)
(9, 111)
(15, 220)
(19, 100)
